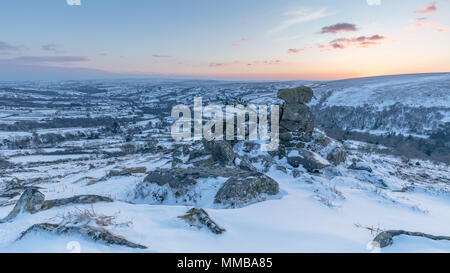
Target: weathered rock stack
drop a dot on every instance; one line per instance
(297, 120)
(301, 143)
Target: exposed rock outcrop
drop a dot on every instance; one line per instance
(241, 190)
(300, 94)
(327, 147)
(360, 166)
(93, 233)
(385, 238)
(177, 183)
(79, 199)
(297, 120)
(199, 217)
(29, 202)
(309, 160)
(337, 156)
(241, 187)
(32, 201)
(127, 171)
(221, 151)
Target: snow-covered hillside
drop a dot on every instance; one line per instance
(426, 90)
(405, 104)
(96, 157)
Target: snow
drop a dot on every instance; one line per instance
(314, 212)
(414, 90)
(417, 244)
(294, 223)
(320, 159)
(294, 153)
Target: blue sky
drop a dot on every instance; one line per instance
(246, 39)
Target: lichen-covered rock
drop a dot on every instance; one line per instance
(231, 186)
(199, 217)
(177, 178)
(244, 164)
(221, 151)
(337, 156)
(309, 160)
(93, 233)
(32, 201)
(385, 238)
(176, 184)
(360, 166)
(241, 190)
(297, 116)
(302, 94)
(127, 171)
(327, 147)
(297, 120)
(29, 202)
(280, 152)
(79, 199)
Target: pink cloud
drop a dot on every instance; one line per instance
(440, 30)
(428, 8)
(295, 50)
(423, 25)
(339, 27)
(361, 41)
(245, 39)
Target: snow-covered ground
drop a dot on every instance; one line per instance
(66, 151)
(298, 221)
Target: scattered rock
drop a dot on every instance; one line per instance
(385, 238)
(93, 233)
(32, 201)
(242, 187)
(79, 199)
(244, 164)
(198, 217)
(176, 178)
(180, 183)
(241, 190)
(360, 166)
(296, 173)
(29, 202)
(127, 171)
(5, 164)
(221, 151)
(249, 146)
(337, 156)
(10, 194)
(309, 160)
(280, 152)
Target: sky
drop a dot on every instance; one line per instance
(232, 39)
